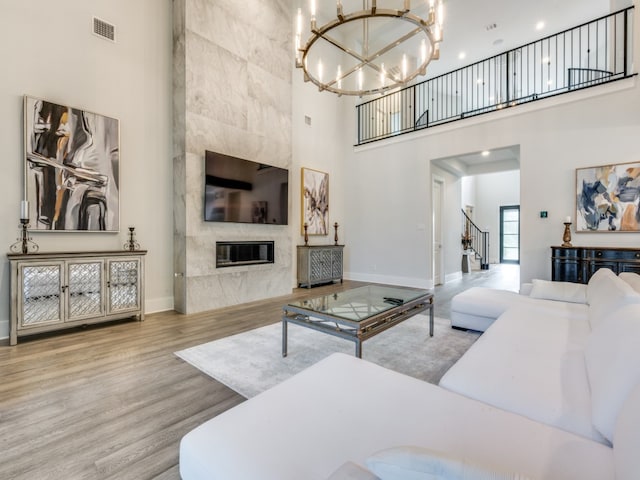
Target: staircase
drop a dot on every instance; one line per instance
(475, 241)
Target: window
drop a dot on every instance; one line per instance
(510, 234)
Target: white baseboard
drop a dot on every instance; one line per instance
(390, 280)
(453, 276)
(156, 305)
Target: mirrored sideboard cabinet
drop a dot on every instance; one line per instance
(54, 291)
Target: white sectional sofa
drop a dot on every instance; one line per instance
(550, 391)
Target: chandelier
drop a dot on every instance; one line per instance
(371, 50)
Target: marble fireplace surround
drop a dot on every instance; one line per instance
(232, 94)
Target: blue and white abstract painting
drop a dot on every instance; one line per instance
(608, 198)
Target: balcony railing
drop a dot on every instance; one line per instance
(591, 54)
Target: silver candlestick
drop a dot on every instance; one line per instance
(24, 244)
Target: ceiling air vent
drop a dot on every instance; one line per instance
(104, 29)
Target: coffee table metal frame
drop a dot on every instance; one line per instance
(356, 331)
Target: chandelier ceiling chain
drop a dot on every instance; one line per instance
(365, 61)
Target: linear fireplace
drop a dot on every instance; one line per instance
(230, 254)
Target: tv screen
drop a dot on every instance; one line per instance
(242, 191)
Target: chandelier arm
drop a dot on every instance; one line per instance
(422, 25)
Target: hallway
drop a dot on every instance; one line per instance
(499, 275)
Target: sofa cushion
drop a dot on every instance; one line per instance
(485, 302)
(632, 279)
(605, 293)
(352, 471)
(626, 438)
(344, 408)
(415, 463)
(560, 291)
(531, 362)
(612, 357)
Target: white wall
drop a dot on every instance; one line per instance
(49, 51)
(556, 136)
(495, 190)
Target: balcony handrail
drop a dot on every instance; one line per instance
(513, 80)
(479, 62)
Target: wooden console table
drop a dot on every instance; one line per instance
(577, 264)
(53, 291)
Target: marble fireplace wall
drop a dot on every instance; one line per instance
(232, 94)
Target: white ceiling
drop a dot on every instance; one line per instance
(482, 29)
(513, 23)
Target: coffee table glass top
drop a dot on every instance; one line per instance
(360, 303)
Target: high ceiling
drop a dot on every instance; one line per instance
(481, 30)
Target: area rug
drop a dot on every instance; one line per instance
(252, 362)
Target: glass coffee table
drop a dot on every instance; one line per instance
(357, 314)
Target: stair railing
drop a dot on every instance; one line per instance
(475, 240)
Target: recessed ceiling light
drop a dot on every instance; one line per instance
(479, 81)
(540, 25)
(545, 60)
(462, 56)
(485, 153)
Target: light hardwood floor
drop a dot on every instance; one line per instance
(112, 401)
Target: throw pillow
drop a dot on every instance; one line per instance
(612, 358)
(626, 438)
(417, 463)
(607, 294)
(632, 279)
(560, 291)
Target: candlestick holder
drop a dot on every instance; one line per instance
(567, 235)
(24, 244)
(335, 237)
(306, 235)
(131, 244)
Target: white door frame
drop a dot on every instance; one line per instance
(437, 250)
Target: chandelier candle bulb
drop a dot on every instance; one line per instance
(412, 45)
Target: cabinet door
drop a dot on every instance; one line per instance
(85, 289)
(336, 263)
(123, 285)
(320, 264)
(40, 294)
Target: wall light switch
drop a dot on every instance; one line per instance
(543, 214)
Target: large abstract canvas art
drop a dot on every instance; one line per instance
(315, 201)
(72, 164)
(607, 198)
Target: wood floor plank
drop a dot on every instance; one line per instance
(112, 401)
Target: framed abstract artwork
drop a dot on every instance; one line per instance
(315, 201)
(71, 168)
(607, 198)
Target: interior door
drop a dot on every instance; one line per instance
(438, 192)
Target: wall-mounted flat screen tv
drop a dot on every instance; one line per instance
(242, 191)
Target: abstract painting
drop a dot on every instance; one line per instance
(315, 201)
(607, 198)
(71, 168)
